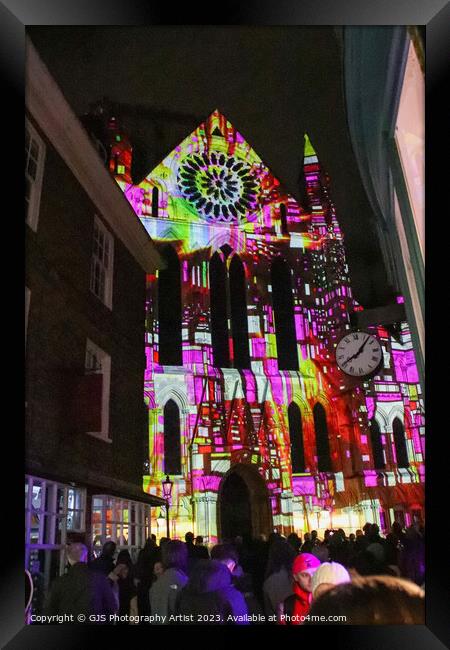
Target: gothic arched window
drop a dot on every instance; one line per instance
(296, 437)
(155, 202)
(169, 310)
(283, 219)
(322, 441)
(400, 443)
(377, 446)
(238, 308)
(172, 438)
(218, 299)
(283, 305)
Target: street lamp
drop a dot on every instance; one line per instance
(167, 486)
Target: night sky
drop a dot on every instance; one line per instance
(273, 83)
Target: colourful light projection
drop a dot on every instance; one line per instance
(213, 196)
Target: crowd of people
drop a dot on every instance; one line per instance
(361, 579)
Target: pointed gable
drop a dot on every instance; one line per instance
(213, 176)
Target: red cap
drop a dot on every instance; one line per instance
(305, 561)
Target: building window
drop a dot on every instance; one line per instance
(296, 437)
(169, 310)
(125, 522)
(283, 306)
(401, 452)
(218, 299)
(54, 514)
(283, 219)
(228, 299)
(155, 202)
(377, 446)
(239, 320)
(34, 171)
(172, 439)
(322, 441)
(102, 263)
(97, 382)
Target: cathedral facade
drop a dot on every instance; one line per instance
(248, 412)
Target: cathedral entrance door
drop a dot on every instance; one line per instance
(243, 504)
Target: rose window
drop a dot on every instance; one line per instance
(222, 188)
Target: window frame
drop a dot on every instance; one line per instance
(32, 215)
(105, 370)
(139, 520)
(106, 295)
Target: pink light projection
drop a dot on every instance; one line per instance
(213, 198)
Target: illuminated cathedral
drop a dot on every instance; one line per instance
(248, 413)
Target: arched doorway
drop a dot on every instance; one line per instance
(243, 504)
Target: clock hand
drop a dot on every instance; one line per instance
(357, 353)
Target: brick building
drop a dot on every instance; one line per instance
(87, 259)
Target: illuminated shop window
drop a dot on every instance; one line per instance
(284, 315)
(102, 263)
(98, 374)
(219, 328)
(400, 443)
(53, 513)
(34, 170)
(322, 441)
(125, 522)
(239, 321)
(172, 439)
(296, 437)
(169, 310)
(377, 446)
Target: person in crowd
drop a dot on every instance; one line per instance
(359, 540)
(278, 583)
(374, 600)
(227, 554)
(412, 555)
(158, 570)
(297, 605)
(327, 576)
(314, 538)
(105, 561)
(200, 550)
(164, 592)
(338, 547)
(189, 539)
(124, 557)
(307, 543)
(367, 563)
(144, 573)
(294, 540)
(321, 551)
(124, 589)
(392, 552)
(210, 598)
(80, 590)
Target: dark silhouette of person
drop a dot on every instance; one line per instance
(210, 596)
(81, 590)
(144, 576)
(200, 550)
(105, 561)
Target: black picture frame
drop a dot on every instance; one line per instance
(15, 15)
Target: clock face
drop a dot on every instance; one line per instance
(358, 354)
